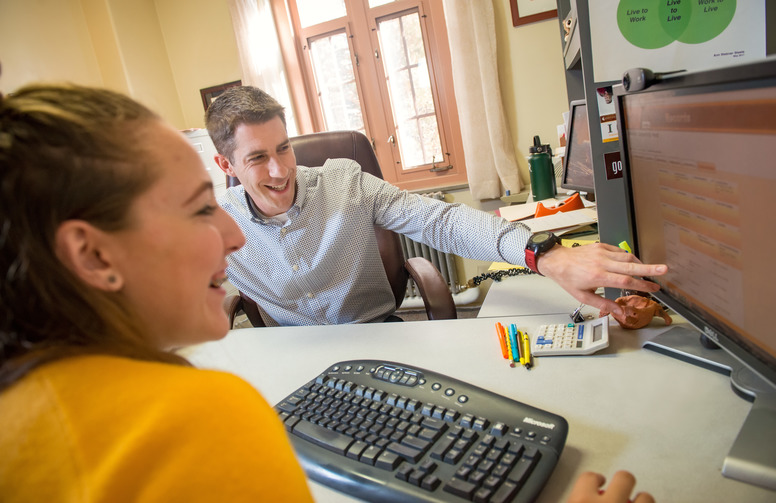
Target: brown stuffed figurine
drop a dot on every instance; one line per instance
(638, 311)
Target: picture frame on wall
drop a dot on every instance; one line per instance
(211, 93)
(530, 11)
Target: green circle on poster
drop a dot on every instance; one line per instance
(675, 16)
(639, 22)
(709, 19)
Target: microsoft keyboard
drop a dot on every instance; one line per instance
(388, 432)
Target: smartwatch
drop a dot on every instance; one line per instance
(538, 244)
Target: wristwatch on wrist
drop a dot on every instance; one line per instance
(538, 244)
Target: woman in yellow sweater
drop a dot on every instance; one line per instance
(112, 254)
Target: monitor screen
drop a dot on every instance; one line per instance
(578, 160)
(699, 158)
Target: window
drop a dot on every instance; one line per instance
(381, 67)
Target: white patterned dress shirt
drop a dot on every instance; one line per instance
(319, 263)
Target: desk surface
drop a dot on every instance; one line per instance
(668, 422)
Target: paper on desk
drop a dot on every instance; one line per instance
(563, 220)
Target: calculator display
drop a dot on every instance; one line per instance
(598, 331)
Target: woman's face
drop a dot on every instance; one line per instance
(172, 258)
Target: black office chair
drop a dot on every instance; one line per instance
(313, 150)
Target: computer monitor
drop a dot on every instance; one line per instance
(699, 161)
(578, 160)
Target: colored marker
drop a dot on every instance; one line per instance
(502, 339)
(514, 343)
(519, 338)
(527, 351)
(625, 246)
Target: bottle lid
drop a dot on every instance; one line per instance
(538, 148)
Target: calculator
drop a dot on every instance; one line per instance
(563, 339)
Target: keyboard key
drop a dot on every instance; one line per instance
(427, 466)
(286, 406)
(505, 493)
(331, 440)
(388, 461)
(461, 488)
(442, 446)
(404, 471)
(409, 453)
(355, 450)
(429, 434)
(453, 456)
(499, 429)
(436, 424)
(430, 483)
(416, 478)
(521, 471)
(482, 495)
(480, 424)
(370, 454)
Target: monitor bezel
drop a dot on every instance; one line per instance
(569, 144)
(759, 73)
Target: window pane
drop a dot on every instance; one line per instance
(336, 83)
(312, 12)
(406, 69)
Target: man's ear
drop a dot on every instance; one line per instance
(225, 165)
(81, 247)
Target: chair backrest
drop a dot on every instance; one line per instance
(313, 150)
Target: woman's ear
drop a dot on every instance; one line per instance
(82, 248)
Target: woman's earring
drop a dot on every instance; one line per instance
(113, 282)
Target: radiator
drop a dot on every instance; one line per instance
(445, 262)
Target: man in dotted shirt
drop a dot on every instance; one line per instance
(311, 249)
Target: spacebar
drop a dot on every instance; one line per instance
(326, 438)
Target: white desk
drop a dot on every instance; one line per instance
(669, 423)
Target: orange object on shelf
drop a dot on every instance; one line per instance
(574, 202)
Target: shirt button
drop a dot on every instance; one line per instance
(295, 267)
(309, 295)
(283, 231)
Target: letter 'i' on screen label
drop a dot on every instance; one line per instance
(613, 165)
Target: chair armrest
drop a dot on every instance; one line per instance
(433, 289)
(232, 305)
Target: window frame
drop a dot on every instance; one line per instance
(372, 88)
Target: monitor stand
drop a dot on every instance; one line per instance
(752, 458)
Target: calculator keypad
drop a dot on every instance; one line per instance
(560, 336)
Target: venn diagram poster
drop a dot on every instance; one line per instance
(668, 35)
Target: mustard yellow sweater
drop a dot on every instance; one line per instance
(110, 429)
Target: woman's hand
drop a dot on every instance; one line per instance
(587, 489)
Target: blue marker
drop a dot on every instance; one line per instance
(513, 342)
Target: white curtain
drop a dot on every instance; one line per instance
(491, 165)
(260, 56)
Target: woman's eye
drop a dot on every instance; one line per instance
(208, 210)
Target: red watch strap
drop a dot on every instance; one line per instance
(530, 261)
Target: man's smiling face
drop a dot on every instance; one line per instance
(265, 164)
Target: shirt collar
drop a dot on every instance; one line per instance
(304, 178)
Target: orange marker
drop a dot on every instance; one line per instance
(502, 340)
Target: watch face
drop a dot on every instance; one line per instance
(540, 237)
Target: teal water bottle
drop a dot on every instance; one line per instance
(542, 174)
